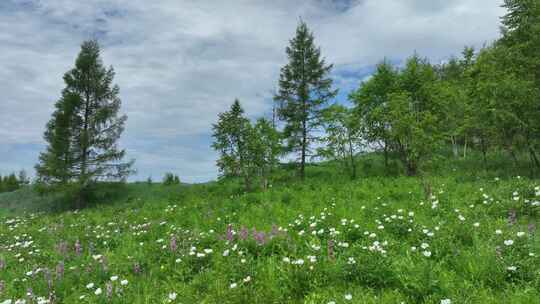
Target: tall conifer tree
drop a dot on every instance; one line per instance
(304, 89)
(83, 132)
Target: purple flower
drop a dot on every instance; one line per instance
(78, 247)
(243, 233)
(137, 268)
(48, 278)
(109, 289)
(532, 228)
(60, 270)
(62, 248)
(260, 238)
(512, 217)
(173, 244)
(30, 294)
(230, 234)
(331, 249)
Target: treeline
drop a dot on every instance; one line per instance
(12, 182)
(487, 99)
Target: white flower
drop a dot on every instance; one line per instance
(424, 245)
(90, 286)
(97, 257)
(446, 301)
(247, 279)
(476, 224)
(124, 282)
(512, 268)
(6, 302)
(426, 253)
(520, 234)
(233, 285)
(98, 291)
(508, 242)
(498, 231)
(172, 296)
(114, 278)
(226, 252)
(348, 297)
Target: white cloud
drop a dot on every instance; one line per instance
(179, 63)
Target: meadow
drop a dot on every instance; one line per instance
(470, 236)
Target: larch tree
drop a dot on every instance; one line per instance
(84, 130)
(304, 89)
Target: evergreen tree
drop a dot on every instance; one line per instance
(11, 183)
(84, 130)
(304, 89)
(23, 178)
(2, 189)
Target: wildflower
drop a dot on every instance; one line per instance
(498, 231)
(476, 224)
(247, 279)
(109, 289)
(520, 234)
(90, 286)
(512, 268)
(173, 246)
(348, 297)
(508, 242)
(98, 292)
(172, 296)
(124, 282)
(446, 301)
(233, 285)
(426, 253)
(226, 252)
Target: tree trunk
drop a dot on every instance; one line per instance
(412, 169)
(484, 151)
(353, 162)
(513, 155)
(454, 146)
(465, 148)
(385, 155)
(534, 157)
(304, 148)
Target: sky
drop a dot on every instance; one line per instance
(181, 62)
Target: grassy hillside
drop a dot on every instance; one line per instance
(378, 239)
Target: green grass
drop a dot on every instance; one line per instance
(373, 223)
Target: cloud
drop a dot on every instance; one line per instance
(180, 63)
